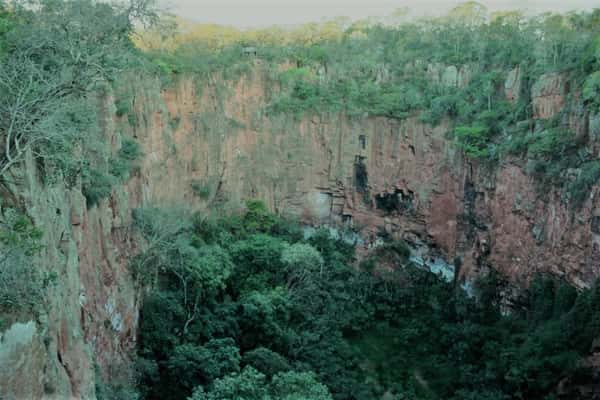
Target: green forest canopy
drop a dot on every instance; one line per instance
(245, 307)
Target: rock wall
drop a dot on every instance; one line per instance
(380, 177)
(90, 316)
(210, 145)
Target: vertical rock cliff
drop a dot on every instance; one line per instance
(379, 176)
(210, 145)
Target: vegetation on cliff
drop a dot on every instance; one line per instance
(247, 307)
(480, 72)
(21, 283)
(58, 60)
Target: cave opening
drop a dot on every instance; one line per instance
(347, 219)
(398, 201)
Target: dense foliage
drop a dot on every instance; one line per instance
(245, 307)
(21, 283)
(58, 61)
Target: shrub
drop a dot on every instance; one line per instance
(474, 140)
(400, 248)
(96, 185)
(258, 218)
(21, 283)
(201, 189)
(588, 176)
(591, 90)
(125, 161)
(123, 106)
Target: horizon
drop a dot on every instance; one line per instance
(264, 13)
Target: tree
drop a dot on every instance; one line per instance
(255, 259)
(191, 364)
(263, 317)
(160, 228)
(591, 90)
(252, 385)
(298, 386)
(199, 272)
(58, 54)
(30, 109)
(258, 218)
(6, 23)
(247, 385)
(303, 263)
(470, 13)
(462, 23)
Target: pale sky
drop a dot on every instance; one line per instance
(252, 13)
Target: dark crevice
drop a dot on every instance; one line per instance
(397, 202)
(74, 389)
(361, 177)
(596, 224)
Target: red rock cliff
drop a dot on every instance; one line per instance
(211, 145)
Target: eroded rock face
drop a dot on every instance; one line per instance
(512, 85)
(215, 147)
(91, 313)
(22, 361)
(450, 75)
(548, 95)
(401, 178)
